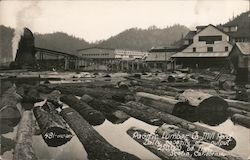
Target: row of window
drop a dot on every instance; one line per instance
(96, 54)
(210, 49)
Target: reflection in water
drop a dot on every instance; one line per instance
(116, 135)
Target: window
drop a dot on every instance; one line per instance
(210, 39)
(226, 48)
(209, 49)
(194, 49)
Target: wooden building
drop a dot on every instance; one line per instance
(101, 58)
(208, 47)
(159, 58)
(51, 59)
(240, 56)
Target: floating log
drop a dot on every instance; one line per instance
(117, 95)
(23, 149)
(188, 85)
(193, 144)
(204, 102)
(110, 112)
(241, 119)
(141, 115)
(160, 147)
(93, 116)
(95, 145)
(173, 120)
(238, 104)
(9, 111)
(238, 111)
(55, 131)
(154, 91)
(165, 104)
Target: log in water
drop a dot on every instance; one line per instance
(111, 113)
(160, 147)
(226, 142)
(55, 131)
(24, 149)
(195, 145)
(95, 145)
(93, 116)
(241, 119)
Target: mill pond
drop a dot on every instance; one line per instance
(128, 93)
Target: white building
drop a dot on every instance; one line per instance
(208, 42)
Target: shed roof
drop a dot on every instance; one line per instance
(200, 54)
(244, 47)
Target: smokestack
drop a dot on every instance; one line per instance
(25, 54)
(24, 17)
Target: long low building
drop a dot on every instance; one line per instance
(111, 59)
(110, 53)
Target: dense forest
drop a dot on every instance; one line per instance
(134, 38)
(144, 39)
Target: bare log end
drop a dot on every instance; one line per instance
(55, 136)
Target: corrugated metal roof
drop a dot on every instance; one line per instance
(200, 54)
(244, 47)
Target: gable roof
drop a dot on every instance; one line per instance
(204, 27)
(244, 47)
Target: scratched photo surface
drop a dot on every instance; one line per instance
(125, 79)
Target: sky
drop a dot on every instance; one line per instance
(97, 20)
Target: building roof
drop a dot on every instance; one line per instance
(54, 52)
(95, 47)
(165, 49)
(200, 54)
(244, 47)
(190, 35)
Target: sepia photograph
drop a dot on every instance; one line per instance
(125, 79)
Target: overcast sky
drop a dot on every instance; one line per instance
(97, 20)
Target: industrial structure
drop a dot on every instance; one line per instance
(101, 58)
